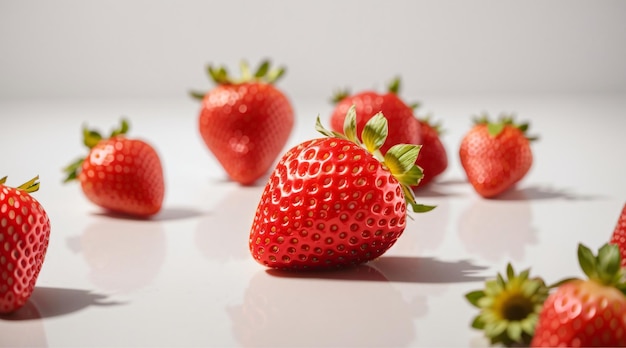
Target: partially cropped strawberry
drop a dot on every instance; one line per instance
(401, 121)
(24, 235)
(334, 201)
(496, 155)
(509, 307)
(120, 174)
(587, 313)
(619, 235)
(245, 123)
(433, 158)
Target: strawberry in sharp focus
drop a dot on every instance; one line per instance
(401, 121)
(24, 236)
(335, 201)
(495, 155)
(587, 313)
(120, 174)
(619, 235)
(433, 158)
(245, 123)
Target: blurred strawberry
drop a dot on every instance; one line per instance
(245, 123)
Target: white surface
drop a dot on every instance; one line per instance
(158, 48)
(186, 278)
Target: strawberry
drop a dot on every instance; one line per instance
(587, 313)
(509, 307)
(401, 121)
(433, 158)
(24, 235)
(120, 174)
(495, 155)
(245, 123)
(619, 235)
(334, 201)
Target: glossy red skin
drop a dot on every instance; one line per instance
(124, 176)
(328, 204)
(619, 235)
(24, 236)
(432, 158)
(493, 164)
(246, 126)
(401, 122)
(582, 314)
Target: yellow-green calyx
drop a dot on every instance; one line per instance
(399, 159)
(30, 186)
(91, 138)
(496, 127)
(263, 73)
(509, 309)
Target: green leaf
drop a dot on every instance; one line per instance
(495, 128)
(478, 323)
(474, 296)
(274, 75)
(514, 331)
(3, 180)
(31, 185)
(394, 86)
(609, 262)
(510, 272)
(91, 138)
(123, 129)
(494, 329)
(72, 170)
(422, 208)
(246, 74)
(262, 69)
(375, 132)
(349, 125)
(410, 178)
(401, 158)
(321, 129)
(587, 261)
(197, 95)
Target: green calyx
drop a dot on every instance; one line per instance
(30, 186)
(399, 159)
(436, 126)
(509, 308)
(605, 267)
(91, 138)
(263, 73)
(496, 127)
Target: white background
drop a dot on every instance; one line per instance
(112, 49)
(185, 277)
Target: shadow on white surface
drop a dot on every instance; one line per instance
(47, 302)
(497, 229)
(23, 328)
(280, 312)
(122, 255)
(166, 214)
(542, 193)
(404, 269)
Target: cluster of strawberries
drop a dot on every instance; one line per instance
(331, 202)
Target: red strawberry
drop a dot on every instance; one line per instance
(245, 123)
(433, 158)
(587, 313)
(24, 235)
(495, 155)
(334, 202)
(120, 174)
(619, 235)
(402, 126)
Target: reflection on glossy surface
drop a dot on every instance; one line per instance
(425, 232)
(123, 255)
(497, 229)
(338, 311)
(237, 212)
(23, 328)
